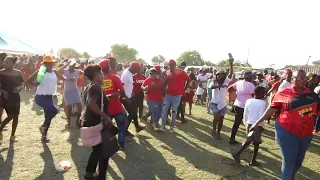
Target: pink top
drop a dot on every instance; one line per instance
(244, 90)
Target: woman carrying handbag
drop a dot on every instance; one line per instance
(94, 118)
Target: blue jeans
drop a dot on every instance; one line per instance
(156, 110)
(121, 119)
(293, 150)
(174, 102)
(50, 110)
(317, 124)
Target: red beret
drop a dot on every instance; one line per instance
(104, 64)
(172, 62)
(135, 64)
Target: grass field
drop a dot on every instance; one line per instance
(189, 153)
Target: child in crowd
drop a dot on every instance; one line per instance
(199, 93)
(253, 111)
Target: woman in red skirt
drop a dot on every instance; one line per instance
(189, 94)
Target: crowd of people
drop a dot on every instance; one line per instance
(107, 90)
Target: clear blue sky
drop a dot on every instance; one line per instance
(279, 32)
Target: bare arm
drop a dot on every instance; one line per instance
(61, 69)
(231, 68)
(267, 114)
(33, 77)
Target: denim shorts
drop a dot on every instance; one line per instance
(222, 111)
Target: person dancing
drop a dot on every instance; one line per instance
(11, 83)
(45, 92)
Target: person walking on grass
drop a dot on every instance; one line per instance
(245, 90)
(11, 83)
(138, 80)
(113, 88)
(295, 124)
(154, 89)
(199, 92)
(92, 116)
(45, 93)
(189, 93)
(130, 102)
(253, 111)
(71, 94)
(219, 100)
(175, 80)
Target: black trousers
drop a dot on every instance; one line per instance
(237, 121)
(139, 97)
(181, 109)
(132, 112)
(95, 158)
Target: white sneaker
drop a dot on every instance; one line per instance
(163, 128)
(155, 128)
(172, 129)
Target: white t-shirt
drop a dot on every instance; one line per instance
(127, 81)
(253, 111)
(263, 83)
(284, 84)
(199, 91)
(203, 79)
(219, 95)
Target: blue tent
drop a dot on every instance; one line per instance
(10, 44)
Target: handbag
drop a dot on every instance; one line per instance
(91, 136)
(110, 144)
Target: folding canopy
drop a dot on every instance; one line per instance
(10, 44)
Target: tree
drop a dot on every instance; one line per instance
(86, 55)
(209, 63)
(123, 53)
(288, 66)
(158, 59)
(192, 58)
(225, 63)
(68, 53)
(140, 60)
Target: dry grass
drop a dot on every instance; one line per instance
(189, 153)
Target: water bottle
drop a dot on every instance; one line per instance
(41, 73)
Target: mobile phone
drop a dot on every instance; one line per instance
(230, 56)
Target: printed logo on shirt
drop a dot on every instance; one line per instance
(306, 111)
(139, 81)
(107, 85)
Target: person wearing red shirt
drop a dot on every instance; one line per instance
(138, 80)
(175, 80)
(154, 88)
(294, 127)
(113, 88)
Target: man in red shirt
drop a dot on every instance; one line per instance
(175, 80)
(113, 88)
(138, 80)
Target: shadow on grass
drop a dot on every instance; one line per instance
(143, 161)
(7, 165)
(49, 170)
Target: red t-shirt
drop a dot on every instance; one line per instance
(176, 82)
(137, 83)
(112, 84)
(298, 112)
(80, 80)
(155, 89)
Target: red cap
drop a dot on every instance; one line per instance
(158, 67)
(135, 64)
(104, 64)
(172, 62)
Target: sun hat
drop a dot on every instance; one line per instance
(48, 59)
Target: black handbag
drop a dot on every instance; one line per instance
(110, 144)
